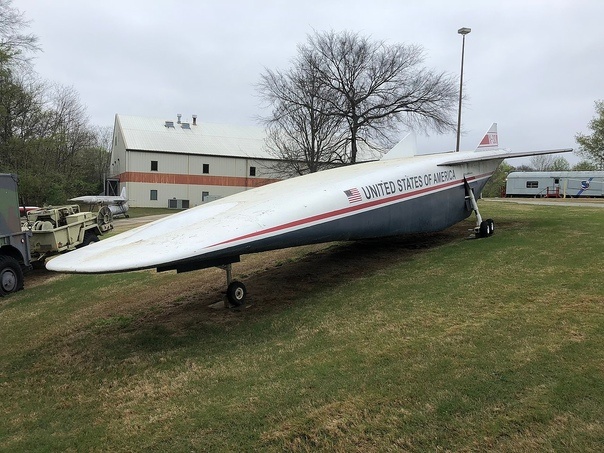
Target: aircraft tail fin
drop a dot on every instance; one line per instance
(123, 193)
(407, 147)
(489, 141)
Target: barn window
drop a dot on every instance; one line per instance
(153, 194)
(206, 168)
(153, 165)
(532, 184)
(204, 195)
(252, 171)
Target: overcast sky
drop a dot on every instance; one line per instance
(533, 66)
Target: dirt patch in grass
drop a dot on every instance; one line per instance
(274, 279)
(37, 277)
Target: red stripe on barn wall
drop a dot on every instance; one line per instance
(199, 180)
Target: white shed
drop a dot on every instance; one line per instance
(555, 184)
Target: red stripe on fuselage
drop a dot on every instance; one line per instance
(349, 209)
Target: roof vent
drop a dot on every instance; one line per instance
(185, 126)
(194, 120)
(179, 116)
(169, 123)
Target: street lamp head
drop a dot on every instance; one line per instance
(463, 32)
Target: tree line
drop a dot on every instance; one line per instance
(45, 135)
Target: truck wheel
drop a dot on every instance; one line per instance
(104, 217)
(236, 293)
(11, 275)
(89, 238)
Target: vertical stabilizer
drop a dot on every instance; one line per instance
(407, 147)
(123, 194)
(490, 140)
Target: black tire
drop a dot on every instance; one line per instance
(236, 293)
(89, 238)
(11, 275)
(484, 230)
(491, 226)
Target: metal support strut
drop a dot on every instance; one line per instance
(473, 204)
(229, 273)
(483, 228)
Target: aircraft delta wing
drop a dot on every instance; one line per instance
(401, 193)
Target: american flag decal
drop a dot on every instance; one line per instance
(354, 196)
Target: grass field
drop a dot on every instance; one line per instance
(434, 343)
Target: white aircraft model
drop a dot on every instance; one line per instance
(117, 205)
(399, 194)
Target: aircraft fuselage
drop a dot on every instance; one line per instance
(369, 200)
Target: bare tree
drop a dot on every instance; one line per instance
(14, 44)
(376, 87)
(98, 157)
(345, 89)
(45, 136)
(542, 163)
(69, 129)
(560, 164)
(17, 99)
(298, 132)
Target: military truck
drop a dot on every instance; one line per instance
(57, 229)
(14, 242)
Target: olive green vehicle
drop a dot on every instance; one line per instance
(56, 229)
(25, 243)
(14, 243)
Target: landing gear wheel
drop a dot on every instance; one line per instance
(491, 224)
(11, 275)
(485, 229)
(236, 293)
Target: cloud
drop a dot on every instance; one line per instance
(534, 67)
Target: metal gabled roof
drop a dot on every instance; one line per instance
(152, 134)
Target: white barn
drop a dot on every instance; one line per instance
(181, 164)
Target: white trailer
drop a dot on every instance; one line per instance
(555, 184)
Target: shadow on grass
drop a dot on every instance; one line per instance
(185, 319)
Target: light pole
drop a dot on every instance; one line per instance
(463, 32)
